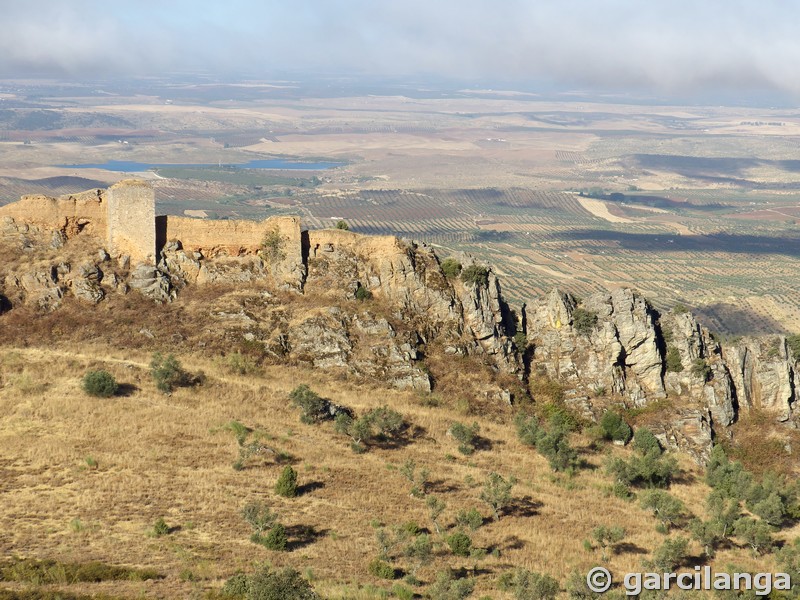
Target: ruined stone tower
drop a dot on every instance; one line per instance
(131, 225)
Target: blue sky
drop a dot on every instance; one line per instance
(670, 46)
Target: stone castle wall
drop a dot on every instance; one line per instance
(234, 238)
(69, 214)
(131, 225)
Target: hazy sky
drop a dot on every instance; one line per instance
(669, 46)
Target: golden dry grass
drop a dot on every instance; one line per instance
(170, 456)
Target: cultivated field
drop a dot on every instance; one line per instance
(708, 215)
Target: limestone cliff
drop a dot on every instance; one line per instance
(381, 307)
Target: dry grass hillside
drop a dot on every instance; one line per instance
(85, 479)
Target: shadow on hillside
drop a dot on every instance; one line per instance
(523, 507)
(126, 389)
(441, 486)
(738, 320)
(301, 536)
(309, 487)
(663, 242)
(629, 548)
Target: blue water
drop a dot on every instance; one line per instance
(127, 166)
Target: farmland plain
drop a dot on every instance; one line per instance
(689, 204)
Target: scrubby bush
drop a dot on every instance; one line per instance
(530, 585)
(167, 372)
(475, 275)
(381, 569)
(286, 485)
(100, 384)
(451, 268)
(527, 429)
(460, 543)
(160, 527)
(615, 428)
(793, 341)
(496, 493)
(240, 364)
(584, 321)
(286, 584)
(701, 369)
(314, 408)
(342, 224)
(363, 293)
(644, 441)
(670, 555)
(275, 539)
(608, 537)
(674, 363)
(649, 470)
(466, 436)
(471, 519)
(447, 587)
(666, 508)
(378, 425)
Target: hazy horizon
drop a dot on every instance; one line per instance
(732, 49)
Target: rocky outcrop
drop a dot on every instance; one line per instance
(764, 375)
(617, 353)
(152, 282)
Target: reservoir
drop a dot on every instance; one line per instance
(127, 166)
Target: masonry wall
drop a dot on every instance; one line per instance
(70, 214)
(132, 220)
(234, 238)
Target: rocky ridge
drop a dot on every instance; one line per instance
(612, 347)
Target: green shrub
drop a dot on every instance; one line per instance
(644, 441)
(650, 470)
(680, 309)
(160, 527)
(272, 245)
(496, 493)
(447, 587)
(521, 341)
(466, 436)
(240, 364)
(460, 543)
(793, 341)
(236, 586)
(615, 428)
(555, 447)
(342, 224)
(701, 369)
(259, 516)
(584, 321)
(670, 555)
(167, 372)
(363, 293)
(475, 275)
(471, 518)
(528, 430)
(286, 584)
(451, 268)
(530, 585)
(100, 384)
(275, 539)
(402, 592)
(381, 569)
(286, 485)
(674, 363)
(314, 409)
(378, 424)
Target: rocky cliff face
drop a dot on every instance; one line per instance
(371, 305)
(380, 306)
(626, 352)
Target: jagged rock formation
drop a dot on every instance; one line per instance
(624, 354)
(612, 347)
